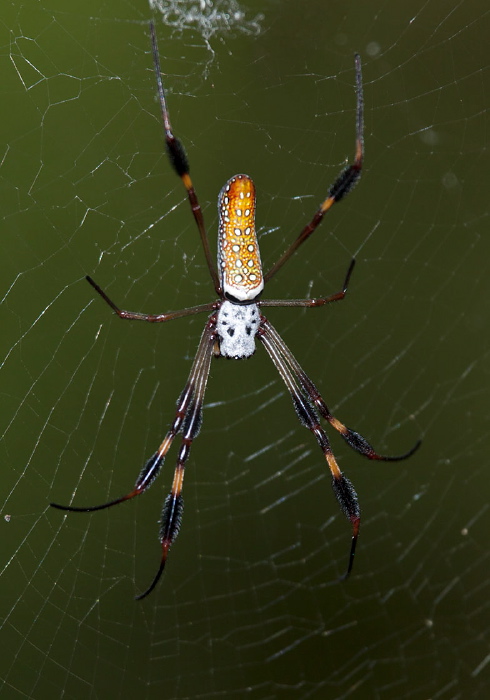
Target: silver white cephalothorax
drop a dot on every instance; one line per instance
(237, 325)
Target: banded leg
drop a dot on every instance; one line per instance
(180, 163)
(186, 419)
(174, 504)
(344, 183)
(308, 416)
(356, 441)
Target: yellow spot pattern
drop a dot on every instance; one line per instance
(239, 258)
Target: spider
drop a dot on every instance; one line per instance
(234, 323)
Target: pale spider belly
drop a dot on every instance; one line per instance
(237, 325)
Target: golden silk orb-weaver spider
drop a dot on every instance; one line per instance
(235, 322)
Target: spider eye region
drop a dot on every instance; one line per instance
(237, 325)
(239, 263)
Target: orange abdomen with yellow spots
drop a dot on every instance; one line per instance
(239, 263)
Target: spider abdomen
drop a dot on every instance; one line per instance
(239, 263)
(237, 325)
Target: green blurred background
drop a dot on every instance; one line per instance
(250, 605)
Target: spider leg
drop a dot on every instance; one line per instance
(309, 405)
(180, 163)
(152, 318)
(174, 504)
(185, 408)
(338, 296)
(356, 441)
(308, 416)
(342, 185)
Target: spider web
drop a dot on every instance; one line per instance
(250, 605)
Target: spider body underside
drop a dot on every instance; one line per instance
(235, 321)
